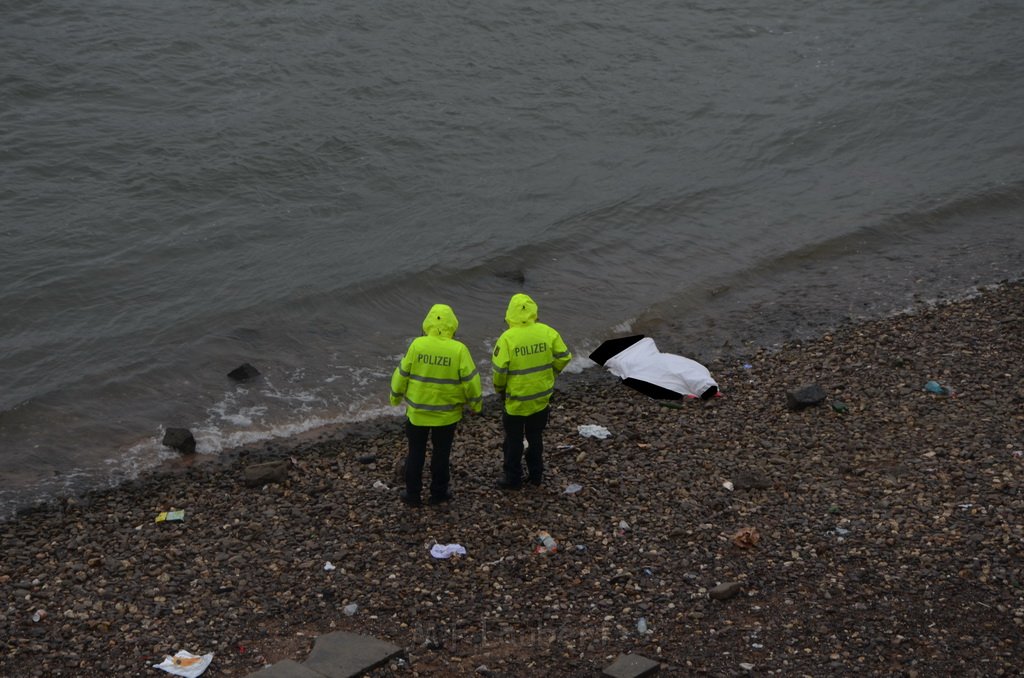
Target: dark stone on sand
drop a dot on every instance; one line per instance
(805, 396)
(725, 590)
(751, 480)
(266, 473)
(180, 439)
(367, 458)
(244, 372)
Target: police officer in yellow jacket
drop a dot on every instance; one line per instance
(437, 378)
(527, 358)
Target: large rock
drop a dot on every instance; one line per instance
(180, 439)
(805, 396)
(244, 372)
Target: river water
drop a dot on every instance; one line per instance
(189, 186)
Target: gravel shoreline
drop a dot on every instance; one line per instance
(888, 524)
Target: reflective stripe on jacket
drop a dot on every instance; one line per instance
(527, 357)
(437, 377)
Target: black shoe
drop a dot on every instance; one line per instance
(440, 499)
(506, 484)
(534, 480)
(409, 500)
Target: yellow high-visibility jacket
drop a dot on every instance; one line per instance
(527, 358)
(437, 377)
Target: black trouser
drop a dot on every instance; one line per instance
(440, 467)
(532, 427)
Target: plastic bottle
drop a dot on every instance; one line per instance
(546, 544)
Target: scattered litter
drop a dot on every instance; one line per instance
(185, 664)
(350, 609)
(747, 366)
(728, 485)
(546, 544)
(623, 528)
(746, 537)
(648, 572)
(496, 562)
(641, 625)
(746, 666)
(171, 516)
(1018, 453)
(565, 447)
(573, 488)
(447, 550)
(581, 548)
(39, 615)
(329, 566)
(841, 531)
(593, 431)
(964, 506)
(378, 485)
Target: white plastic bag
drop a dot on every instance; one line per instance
(185, 664)
(593, 431)
(447, 550)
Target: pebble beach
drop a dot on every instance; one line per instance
(876, 533)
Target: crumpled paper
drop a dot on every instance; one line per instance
(447, 550)
(593, 431)
(185, 664)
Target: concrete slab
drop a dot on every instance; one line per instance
(631, 666)
(285, 669)
(348, 655)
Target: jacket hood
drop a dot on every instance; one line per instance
(522, 311)
(440, 322)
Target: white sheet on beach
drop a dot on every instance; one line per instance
(645, 362)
